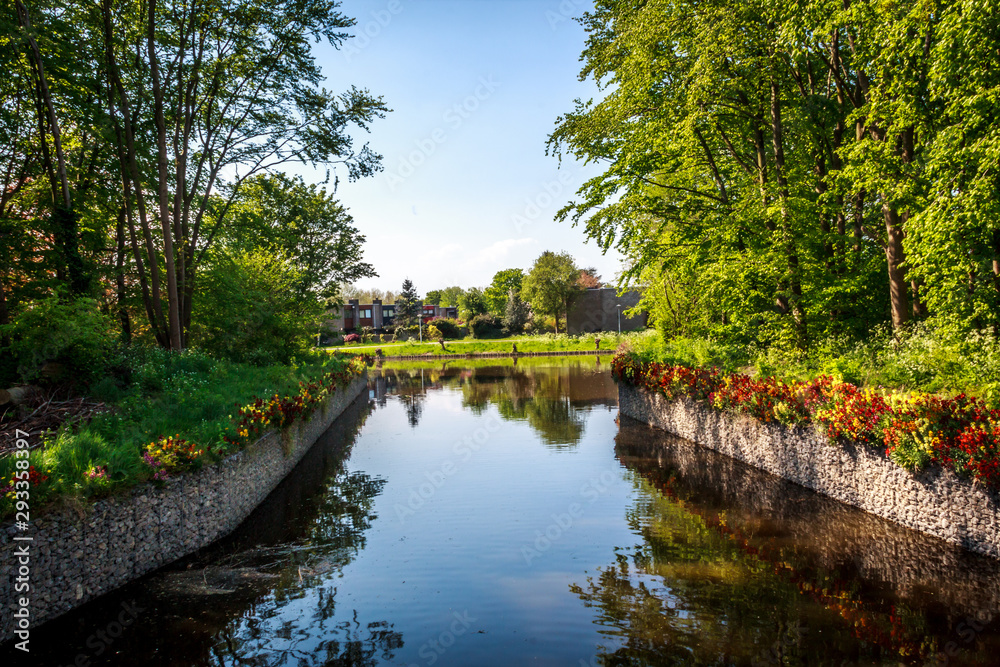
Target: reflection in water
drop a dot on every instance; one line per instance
(736, 562)
(554, 402)
(645, 550)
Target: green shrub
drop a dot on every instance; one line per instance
(449, 328)
(250, 309)
(57, 338)
(485, 326)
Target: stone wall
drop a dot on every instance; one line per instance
(80, 553)
(830, 538)
(935, 501)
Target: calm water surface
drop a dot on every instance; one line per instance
(503, 516)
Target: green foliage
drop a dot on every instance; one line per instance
(407, 306)
(516, 313)
(497, 294)
(306, 224)
(929, 357)
(433, 333)
(485, 326)
(451, 296)
(472, 303)
(449, 328)
(763, 191)
(551, 283)
(433, 297)
(67, 332)
(251, 310)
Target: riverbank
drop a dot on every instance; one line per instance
(555, 344)
(77, 553)
(167, 413)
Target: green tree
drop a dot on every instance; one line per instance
(213, 95)
(307, 224)
(497, 293)
(472, 303)
(407, 305)
(725, 151)
(551, 283)
(451, 296)
(252, 308)
(516, 313)
(433, 297)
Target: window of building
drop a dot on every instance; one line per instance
(366, 313)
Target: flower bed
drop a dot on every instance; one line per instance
(916, 429)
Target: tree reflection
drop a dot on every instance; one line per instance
(696, 592)
(539, 398)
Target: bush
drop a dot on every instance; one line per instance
(449, 328)
(352, 338)
(250, 308)
(58, 332)
(485, 326)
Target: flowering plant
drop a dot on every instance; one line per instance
(171, 454)
(8, 487)
(280, 412)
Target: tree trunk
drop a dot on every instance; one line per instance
(897, 274)
(791, 253)
(4, 314)
(120, 278)
(996, 260)
(163, 184)
(63, 216)
(131, 185)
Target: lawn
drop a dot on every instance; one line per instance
(539, 343)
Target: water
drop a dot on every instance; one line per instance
(502, 516)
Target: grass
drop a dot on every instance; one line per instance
(492, 362)
(190, 395)
(537, 343)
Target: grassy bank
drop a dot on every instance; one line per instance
(432, 364)
(168, 412)
(925, 358)
(525, 344)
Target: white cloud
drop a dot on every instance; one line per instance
(500, 250)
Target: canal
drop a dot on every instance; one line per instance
(505, 515)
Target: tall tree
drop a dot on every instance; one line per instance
(234, 92)
(497, 293)
(307, 224)
(472, 302)
(551, 284)
(407, 305)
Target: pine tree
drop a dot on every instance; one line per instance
(516, 313)
(407, 305)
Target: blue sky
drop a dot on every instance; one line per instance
(475, 87)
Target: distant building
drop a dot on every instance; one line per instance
(355, 316)
(599, 309)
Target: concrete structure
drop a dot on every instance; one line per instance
(598, 310)
(935, 501)
(78, 553)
